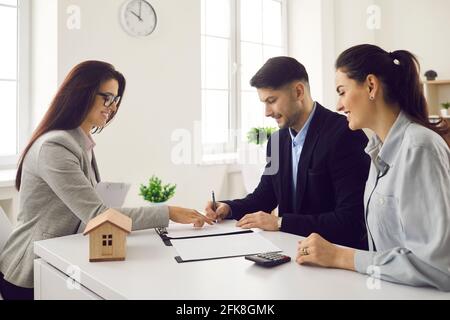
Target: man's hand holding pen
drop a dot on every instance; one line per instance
(222, 210)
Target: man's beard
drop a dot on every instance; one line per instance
(290, 121)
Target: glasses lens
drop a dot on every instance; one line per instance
(109, 99)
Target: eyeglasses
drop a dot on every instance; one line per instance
(109, 99)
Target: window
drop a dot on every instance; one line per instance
(14, 21)
(237, 37)
(107, 240)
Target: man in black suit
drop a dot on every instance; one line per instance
(316, 166)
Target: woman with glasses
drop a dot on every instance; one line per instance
(57, 174)
(407, 195)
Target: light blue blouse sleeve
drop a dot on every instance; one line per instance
(424, 207)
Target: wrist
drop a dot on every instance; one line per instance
(227, 211)
(173, 211)
(345, 258)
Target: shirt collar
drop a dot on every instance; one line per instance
(300, 137)
(89, 142)
(384, 154)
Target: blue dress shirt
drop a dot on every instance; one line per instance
(298, 141)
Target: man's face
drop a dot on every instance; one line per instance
(281, 104)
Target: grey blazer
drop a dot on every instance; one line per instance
(57, 194)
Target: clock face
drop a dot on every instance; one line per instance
(138, 18)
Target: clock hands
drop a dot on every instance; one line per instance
(140, 11)
(137, 16)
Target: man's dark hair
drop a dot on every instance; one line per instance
(279, 71)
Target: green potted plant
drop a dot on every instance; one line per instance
(444, 109)
(260, 135)
(156, 192)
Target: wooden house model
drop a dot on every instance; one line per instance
(108, 236)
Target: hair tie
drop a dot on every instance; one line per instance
(394, 59)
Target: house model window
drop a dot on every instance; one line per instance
(107, 240)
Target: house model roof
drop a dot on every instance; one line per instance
(112, 216)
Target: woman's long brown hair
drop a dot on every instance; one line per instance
(73, 101)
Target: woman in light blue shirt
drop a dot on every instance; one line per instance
(407, 196)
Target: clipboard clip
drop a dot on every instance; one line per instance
(163, 234)
(162, 231)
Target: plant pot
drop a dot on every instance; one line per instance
(145, 203)
(444, 112)
(157, 204)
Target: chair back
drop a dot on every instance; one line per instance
(5, 229)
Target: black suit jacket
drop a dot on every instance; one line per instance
(333, 169)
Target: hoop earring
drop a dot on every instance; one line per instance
(372, 98)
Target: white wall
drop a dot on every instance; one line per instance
(44, 56)
(351, 24)
(305, 41)
(420, 26)
(163, 93)
(319, 30)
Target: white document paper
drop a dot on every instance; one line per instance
(223, 246)
(178, 230)
(112, 193)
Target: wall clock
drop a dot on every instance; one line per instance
(138, 18)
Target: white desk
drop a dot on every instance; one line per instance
(151, 272)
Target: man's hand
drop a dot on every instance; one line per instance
(260, 219)
(222, 210)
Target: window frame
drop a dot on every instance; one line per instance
(235, 92)
(23, 109)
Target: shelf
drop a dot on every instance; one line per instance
(434, 116)
(437, 82)
(436, 92)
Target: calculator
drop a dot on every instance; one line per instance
(269, 259)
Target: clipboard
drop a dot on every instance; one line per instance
(180, 260)
(221, 247)
(163, 233)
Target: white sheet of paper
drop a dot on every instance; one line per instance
(178, 230)
(223, 246)
(112, 193)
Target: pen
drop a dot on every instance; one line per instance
(214, 204)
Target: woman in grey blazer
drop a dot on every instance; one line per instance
(57, 174)
(407, 196)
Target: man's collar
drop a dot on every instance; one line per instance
(296, 135)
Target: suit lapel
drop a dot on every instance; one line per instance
(80, 139)
(286, 174)
(94, 166)
(307, 152)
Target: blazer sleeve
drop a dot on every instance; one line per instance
(424, 259)
(263, 198)
(60, 168)
(349, 167)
